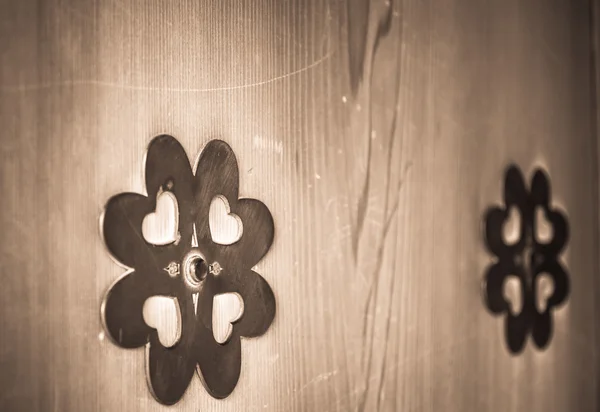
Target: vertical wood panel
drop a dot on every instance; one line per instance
(595, 80)
(377, 133)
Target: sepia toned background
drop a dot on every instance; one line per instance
(377, 133)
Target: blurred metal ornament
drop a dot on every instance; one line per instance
(527, 259)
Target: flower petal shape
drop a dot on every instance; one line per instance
(122, 228)
(516, 330)
(561, 234)
(218, 159)
(123, 308)
(540, 197)
(219, 364)
(560, 279)
(258, 298)
(168, 168)
(256, 239)
(515, 192)
(540, 189)
(216, 175)
(541, 328)
(169, 370)
(494, 283)
(495, 219)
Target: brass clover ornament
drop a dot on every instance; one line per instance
(191, 270)
(527, 259)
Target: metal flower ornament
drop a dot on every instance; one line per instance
(190, 269)
(531, 254)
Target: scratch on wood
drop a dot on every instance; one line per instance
(319, 378)
(93, 82)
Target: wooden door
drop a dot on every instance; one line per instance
(377, 133)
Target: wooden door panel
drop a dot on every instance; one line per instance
(377, 133)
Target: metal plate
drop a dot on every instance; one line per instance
(171, 270)
(527, 259)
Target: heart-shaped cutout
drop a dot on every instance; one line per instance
(544, 287)
(513, 294)
(163, 314)
(160, 228)
(227, 308)
(543, 229)
(511, 231)
(225, 227)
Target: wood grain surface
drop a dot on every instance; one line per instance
(377, 132)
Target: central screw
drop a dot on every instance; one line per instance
(199, 269)
(195, 269)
